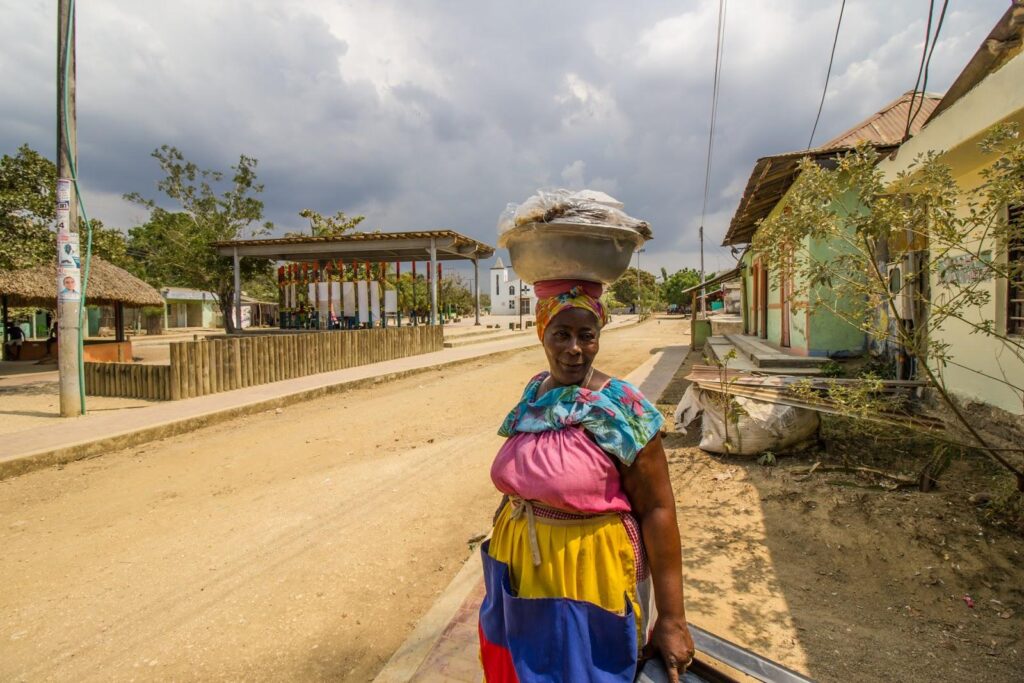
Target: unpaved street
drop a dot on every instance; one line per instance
(296, 545)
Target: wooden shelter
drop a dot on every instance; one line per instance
(432, 246)
(109, 285)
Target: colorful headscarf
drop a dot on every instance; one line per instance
(555, 296)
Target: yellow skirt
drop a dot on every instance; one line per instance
(565, 591)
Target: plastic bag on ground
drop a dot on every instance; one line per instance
(760, 426)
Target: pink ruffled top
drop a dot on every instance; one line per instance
(562, 447)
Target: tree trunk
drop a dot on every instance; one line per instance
(226, 299)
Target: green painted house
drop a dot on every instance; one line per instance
(775, 304)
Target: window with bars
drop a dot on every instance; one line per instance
(1015, 282)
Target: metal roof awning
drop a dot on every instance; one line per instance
(717, 280)
(375, 247)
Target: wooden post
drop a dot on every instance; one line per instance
(251, 362)
(236, 363)
(175, 371)
(205, 353)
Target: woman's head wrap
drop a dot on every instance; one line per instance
(555, 296)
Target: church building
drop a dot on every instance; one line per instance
(506, 290)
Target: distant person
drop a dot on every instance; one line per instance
(15, 338)
(51, 338)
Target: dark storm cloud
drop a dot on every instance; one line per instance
(435, 114)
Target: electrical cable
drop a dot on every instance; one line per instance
(719, 49)
(68, 38)
(928, 61)
(828, 74)
(920, 68)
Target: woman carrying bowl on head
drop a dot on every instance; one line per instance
(587, 529)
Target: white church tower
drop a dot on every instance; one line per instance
(506, 291)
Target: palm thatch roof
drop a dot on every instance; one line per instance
(108, 284)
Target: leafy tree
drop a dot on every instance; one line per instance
(868, 222)
(177, 246)
(27, 185)
(455, 291)
(328, 226)
(27, 214)
(678, 282)
(625, 288)
(109, 244)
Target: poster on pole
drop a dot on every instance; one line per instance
(69, 284)
(67, 250)
(311, 294)
(363, 289)
(391, 302)
(348, 294)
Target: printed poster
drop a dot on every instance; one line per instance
(363, 292)
(348, 292)
(391, 301)
(374, 301)
(67, 250)
(69, 284)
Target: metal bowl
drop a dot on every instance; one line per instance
(574, 251)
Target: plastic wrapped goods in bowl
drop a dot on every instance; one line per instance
(553, 251)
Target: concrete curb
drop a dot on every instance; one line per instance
(29, 462)
(23, 463)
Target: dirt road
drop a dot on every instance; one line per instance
(297, 545)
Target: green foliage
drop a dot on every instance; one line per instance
(27, 184)
(625, 288)
(328, 226)
(831, 368)
(678, 282)
(455, 291)
(176, 247)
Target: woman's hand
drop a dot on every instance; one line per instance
(671, 640)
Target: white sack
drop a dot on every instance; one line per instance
(765, 426)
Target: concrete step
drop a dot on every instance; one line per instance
(765, 356)
(495, 335)
(718, 348)
(458, 333)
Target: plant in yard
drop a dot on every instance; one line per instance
(840, 227)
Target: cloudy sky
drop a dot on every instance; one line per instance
(436, 113)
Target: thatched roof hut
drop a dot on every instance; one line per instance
(108, 285)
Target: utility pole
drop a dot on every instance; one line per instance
(703, 292)
(638, 252)
(69, 281)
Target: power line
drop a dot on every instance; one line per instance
(719, 48)
(828, 74)
(928, 61)
(920, 68)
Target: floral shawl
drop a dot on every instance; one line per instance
(618, 416)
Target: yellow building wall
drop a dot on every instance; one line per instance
(983, 366)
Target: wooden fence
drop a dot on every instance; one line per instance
(213, 365)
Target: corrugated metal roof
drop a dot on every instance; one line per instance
(772, 176)
(886, 126)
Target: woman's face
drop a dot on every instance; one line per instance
(571, 344)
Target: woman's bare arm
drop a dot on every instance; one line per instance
(649, 489)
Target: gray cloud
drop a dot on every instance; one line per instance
(435, 114)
